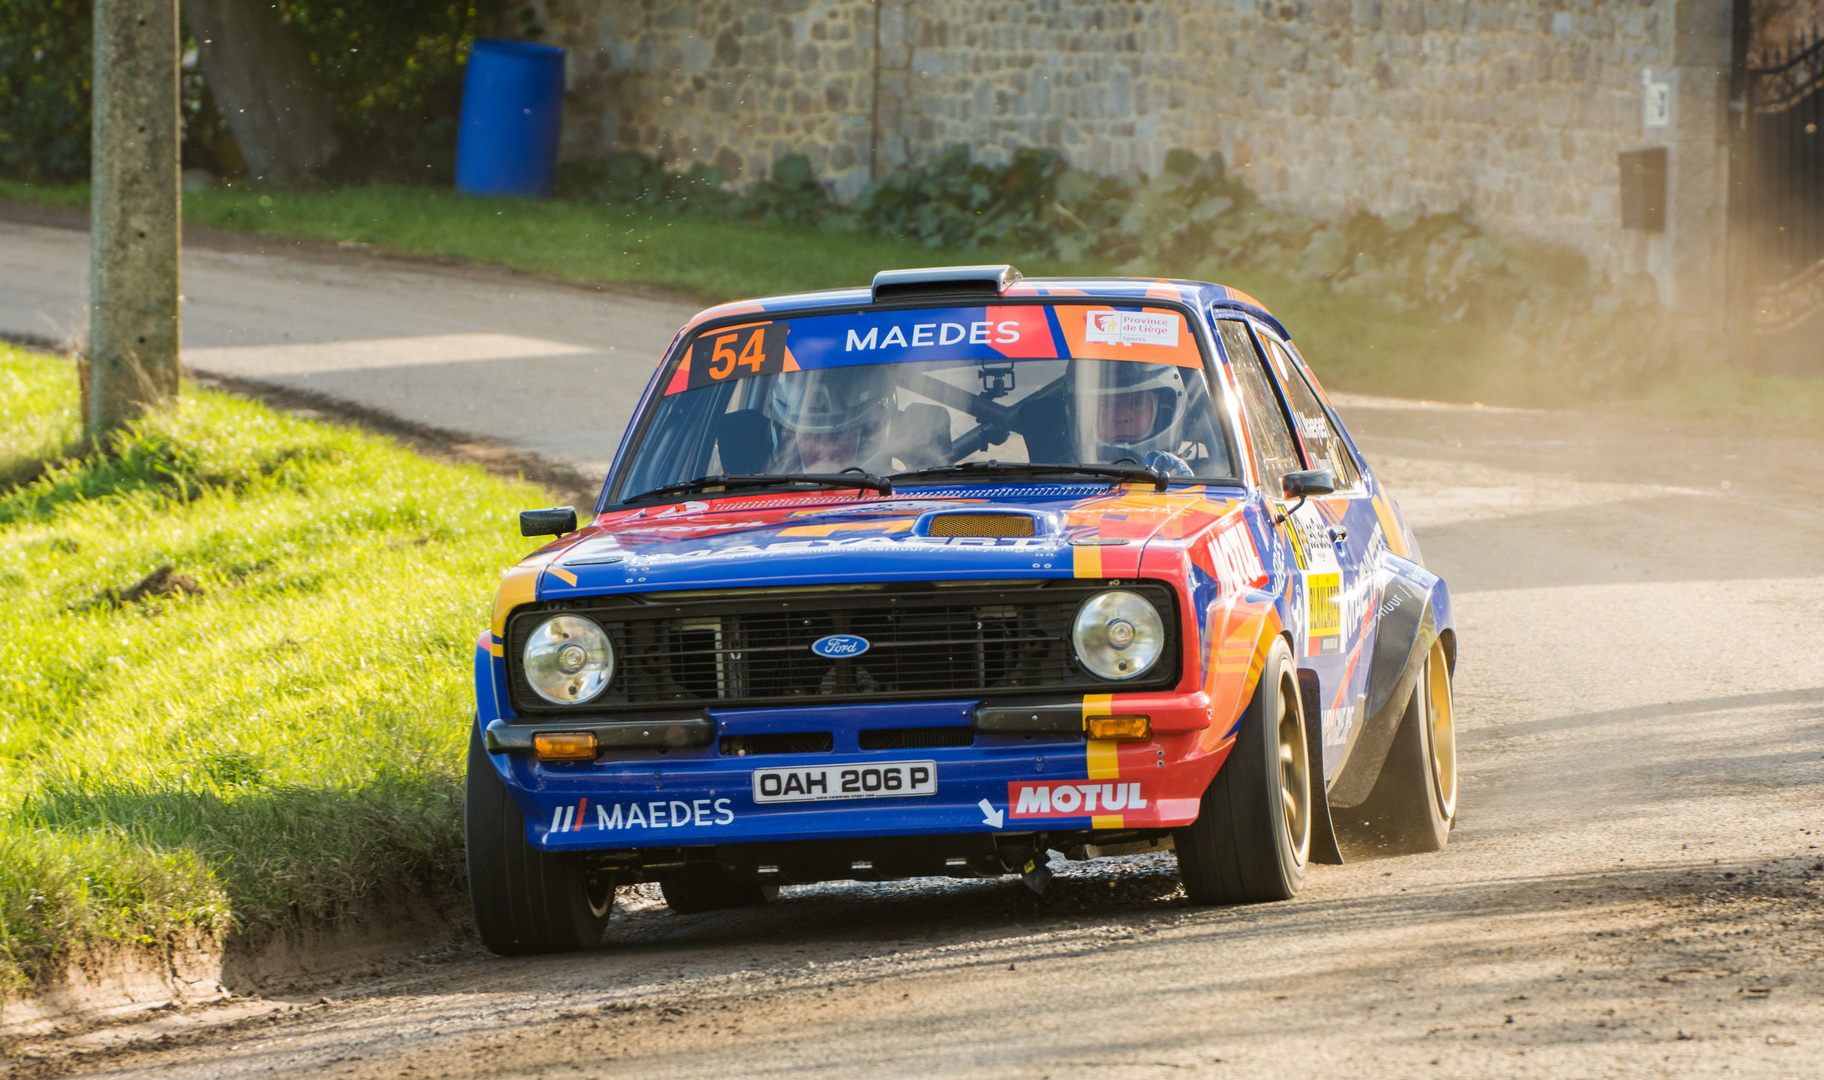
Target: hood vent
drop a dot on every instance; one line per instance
(980, 525)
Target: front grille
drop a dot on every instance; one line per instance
(926, 642)
(789, 742)
(916, 738)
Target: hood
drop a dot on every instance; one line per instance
(948, 534)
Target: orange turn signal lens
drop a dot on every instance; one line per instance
(1120, 727)
(564, 746)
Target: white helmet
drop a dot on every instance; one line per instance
(829, 401)
(1096, 390)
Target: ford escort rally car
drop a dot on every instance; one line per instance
(941, 576)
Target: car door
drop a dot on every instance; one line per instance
(1326, 575)
(1341, 622)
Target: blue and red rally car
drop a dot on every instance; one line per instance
(937, 577)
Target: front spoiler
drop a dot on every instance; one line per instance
(874, 858)
(1005, 783)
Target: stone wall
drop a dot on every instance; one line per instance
(1112, 85)
(738, 84)
(1509, 111)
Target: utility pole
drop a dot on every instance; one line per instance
(1739, 284)
(134, 214)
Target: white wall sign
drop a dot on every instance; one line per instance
(1657, 104)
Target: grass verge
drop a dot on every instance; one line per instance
(1355, 342)
(273, 730)
(714, 260)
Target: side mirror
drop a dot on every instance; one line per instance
(555, 521)
(1301, 485)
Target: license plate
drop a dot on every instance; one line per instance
(886, 780)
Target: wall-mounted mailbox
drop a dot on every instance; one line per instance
(1643, 189)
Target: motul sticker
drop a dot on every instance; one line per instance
(1236, 559)
(1074, 798)
(1132, 328)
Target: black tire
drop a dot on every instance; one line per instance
(1414, 802)
(1252, 837)
(710, 888)
(526, 901)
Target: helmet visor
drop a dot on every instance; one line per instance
(1125, 404)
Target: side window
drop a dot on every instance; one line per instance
(1275, 454)
(1324, 448)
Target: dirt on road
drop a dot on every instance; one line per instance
(1635, 886)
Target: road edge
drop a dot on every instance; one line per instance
(442, 445)
(351, 253)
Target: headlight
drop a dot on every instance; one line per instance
(568, 659)
(1118, 634)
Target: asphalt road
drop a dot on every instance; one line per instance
(540, 366)
(1635, 886)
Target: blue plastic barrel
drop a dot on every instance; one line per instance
(512, 107)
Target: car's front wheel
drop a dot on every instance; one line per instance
(1414, 802)
(1252, 836)
(526, 900)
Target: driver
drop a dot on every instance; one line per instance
(1126, 417)
(836, 418)
(1127, 409)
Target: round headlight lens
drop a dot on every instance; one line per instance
(568, 660)
(1118, 634)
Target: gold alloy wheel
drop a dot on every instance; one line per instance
(1294, 771)
(1443, 724)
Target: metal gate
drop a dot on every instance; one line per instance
(1778, 205)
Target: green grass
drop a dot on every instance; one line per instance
(710, 259)
(284, 745)
(1356, 343)
(67, 195)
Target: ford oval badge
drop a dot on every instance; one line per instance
(839, 646)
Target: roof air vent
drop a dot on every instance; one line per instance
(945, 281)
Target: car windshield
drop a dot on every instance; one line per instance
(895, 392)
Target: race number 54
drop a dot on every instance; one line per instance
(738, 353)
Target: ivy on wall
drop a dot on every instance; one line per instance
(44, 85)
(1196, 220)
(393, 71)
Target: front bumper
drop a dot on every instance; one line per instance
(670, 787)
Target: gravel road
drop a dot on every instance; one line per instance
(1635, 886)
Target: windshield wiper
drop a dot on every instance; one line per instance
(848, 478)
(1136, 473)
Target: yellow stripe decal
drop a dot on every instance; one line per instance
(1087, 561)
(1258, 661)
(1097, 705)
(518, 586)
(1103, 765)
(563, 575)
(1102, 762)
